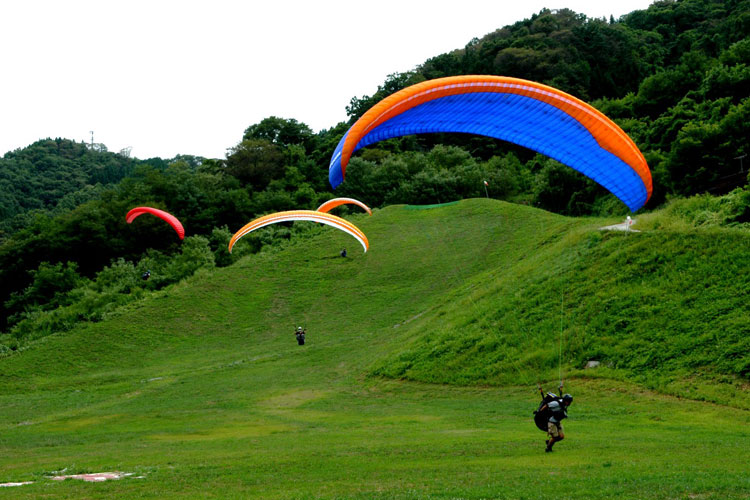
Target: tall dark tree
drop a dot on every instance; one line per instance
(255, 162)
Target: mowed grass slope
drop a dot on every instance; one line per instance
(203, 391)
(667, 308)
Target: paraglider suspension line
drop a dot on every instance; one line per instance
(559, 358)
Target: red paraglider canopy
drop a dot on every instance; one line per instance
(171, 219)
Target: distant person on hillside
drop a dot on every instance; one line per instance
(553, 409)
(146, 275)
(300, 334)
(343, 252)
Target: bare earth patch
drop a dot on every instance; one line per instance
(94, 477)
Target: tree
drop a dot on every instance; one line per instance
(282, 132)
(49, 286)
(393, 83)
(255, 162)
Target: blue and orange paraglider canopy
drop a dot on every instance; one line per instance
(526, 113)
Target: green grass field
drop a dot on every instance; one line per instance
(417, 380)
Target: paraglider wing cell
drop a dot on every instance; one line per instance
(526, 113)
(306, 215)
(169, 218)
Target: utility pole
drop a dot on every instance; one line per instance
(740, 158)
(92, 139)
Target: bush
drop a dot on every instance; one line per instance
(118, 284)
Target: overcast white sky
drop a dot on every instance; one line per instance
(188, 77)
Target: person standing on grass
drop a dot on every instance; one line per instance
(300, 334)
(554, 409)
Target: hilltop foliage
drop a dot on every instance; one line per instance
(54, 176)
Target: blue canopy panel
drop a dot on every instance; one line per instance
(521, 120)
(335, 172)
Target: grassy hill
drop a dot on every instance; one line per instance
(417, 379)
(665, 307)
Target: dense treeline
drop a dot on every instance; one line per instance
(52, 176)
(676, 77)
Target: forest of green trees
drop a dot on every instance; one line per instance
(675, 77)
